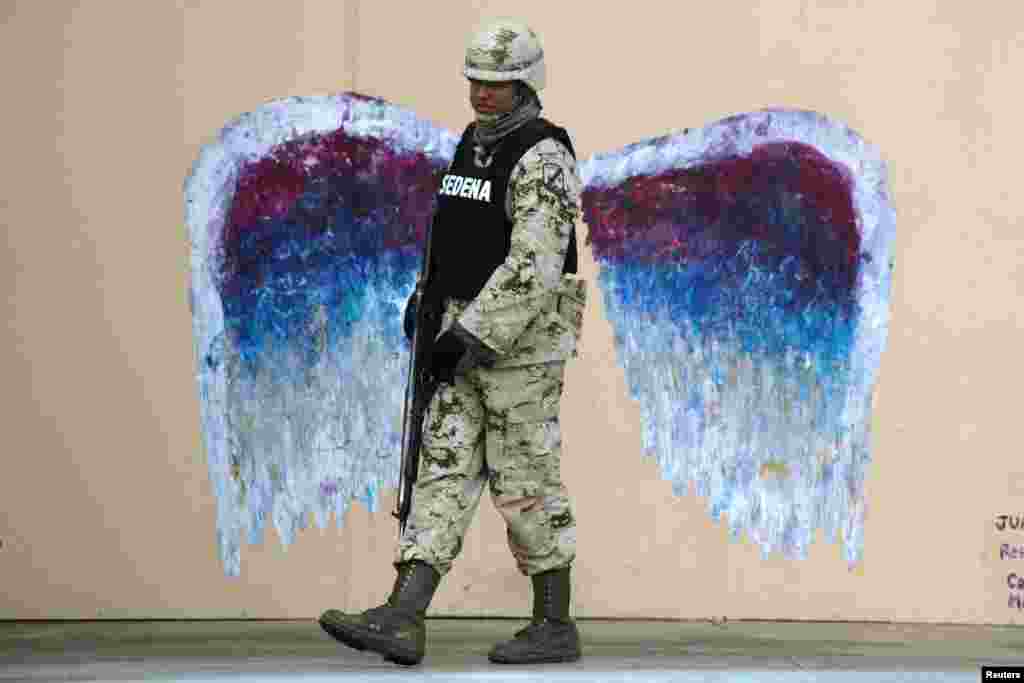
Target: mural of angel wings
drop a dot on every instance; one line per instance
(745, 269)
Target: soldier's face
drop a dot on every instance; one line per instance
(492, 98)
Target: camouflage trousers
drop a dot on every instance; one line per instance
(497, 427)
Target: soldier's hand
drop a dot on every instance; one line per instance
(448, 351)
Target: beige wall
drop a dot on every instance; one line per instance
(105, 503)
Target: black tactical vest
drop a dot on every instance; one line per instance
(471, 235)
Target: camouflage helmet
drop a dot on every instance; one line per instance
(505, 50)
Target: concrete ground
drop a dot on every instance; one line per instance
(457, 650)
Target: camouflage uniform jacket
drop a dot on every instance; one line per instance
(528, 311)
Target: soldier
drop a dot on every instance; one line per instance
(504, 260)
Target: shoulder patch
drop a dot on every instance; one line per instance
(554, 177)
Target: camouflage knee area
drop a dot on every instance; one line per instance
(452, 428)
(449, 482)
(524, 447)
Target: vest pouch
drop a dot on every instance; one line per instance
(570, 304)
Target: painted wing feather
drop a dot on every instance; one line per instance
(745, 269)
(307, 218)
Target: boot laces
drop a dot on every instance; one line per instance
(404, 583)
(380, 612)
(400, 599)
(393, 603)
(404, 577)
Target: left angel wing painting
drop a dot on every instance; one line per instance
(307, 219)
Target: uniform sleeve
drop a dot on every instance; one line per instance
(543, 191)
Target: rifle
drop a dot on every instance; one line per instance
(420, 385)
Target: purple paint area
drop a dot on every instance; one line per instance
(745, 271)
(309, 224)
(306, 220)
(786, 196)
(1009, 551)
(358, 193)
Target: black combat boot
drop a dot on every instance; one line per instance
(396, 629)
(551, 636)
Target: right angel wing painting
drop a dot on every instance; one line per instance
(745, 269)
